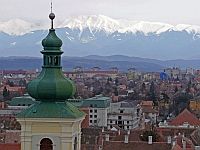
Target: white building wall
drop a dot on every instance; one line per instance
(124, 117)
(98, 117)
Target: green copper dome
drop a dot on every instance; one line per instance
(51, 85)
(51, 42)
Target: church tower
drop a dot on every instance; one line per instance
(51, 123)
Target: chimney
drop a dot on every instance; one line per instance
(107, 137)
(183, 135)
(184, 144)
(100, 147)
(3, 105)
(102, 129)
(126, 139)
(169, 140)
(173, 143)
(119, 132)
(128, 132)
(149, 139)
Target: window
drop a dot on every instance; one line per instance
(119, 117)
(90, 116)
(90, 121)
(56, 60)
(127, 122)
(95, 121)
(50, 59)
(46, 144)
(121, 111)
(127, 127)
(91, 110)
(95, 110)
(95, 116)
(110, 121)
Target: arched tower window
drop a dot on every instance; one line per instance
(50, 59)
(56, 60)
(46, 144)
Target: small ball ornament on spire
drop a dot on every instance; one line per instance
(51, 16)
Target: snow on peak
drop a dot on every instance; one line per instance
(92, 22)
(110, 25)
(98, 22)
(189, 28)
(18, 27)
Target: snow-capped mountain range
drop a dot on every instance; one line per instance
(100, 22)
(101, 35)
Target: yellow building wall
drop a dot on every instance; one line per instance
(64, 131)
(195, 105)
(46, 128)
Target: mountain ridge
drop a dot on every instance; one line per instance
(105, 62)
(93, 22)
(83, 41)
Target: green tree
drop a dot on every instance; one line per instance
(152, 93)
(116, 81)
(143, 87)
(6, 92)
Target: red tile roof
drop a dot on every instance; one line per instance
(148, 109)
(179, 141)
(120, 145)
(176, 147)
(185, 117)
(146, 103)
(10, 146)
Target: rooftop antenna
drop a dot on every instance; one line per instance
(51, 15)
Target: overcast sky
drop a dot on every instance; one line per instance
(167, 11)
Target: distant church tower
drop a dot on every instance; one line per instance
(51, 123)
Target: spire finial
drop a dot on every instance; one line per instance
(51, 6)
(51, 16)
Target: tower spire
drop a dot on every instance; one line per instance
(51, 15)
(51, 6)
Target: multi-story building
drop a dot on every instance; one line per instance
(173, 73)
(123, 114)
(98, 109)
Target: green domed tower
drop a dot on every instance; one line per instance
(51, 118)
(51, 85)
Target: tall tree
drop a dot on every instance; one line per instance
(6, 92)
(152, 93)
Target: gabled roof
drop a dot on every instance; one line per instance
(185, 117)
(195, 136)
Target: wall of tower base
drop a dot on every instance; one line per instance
(65, 134)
